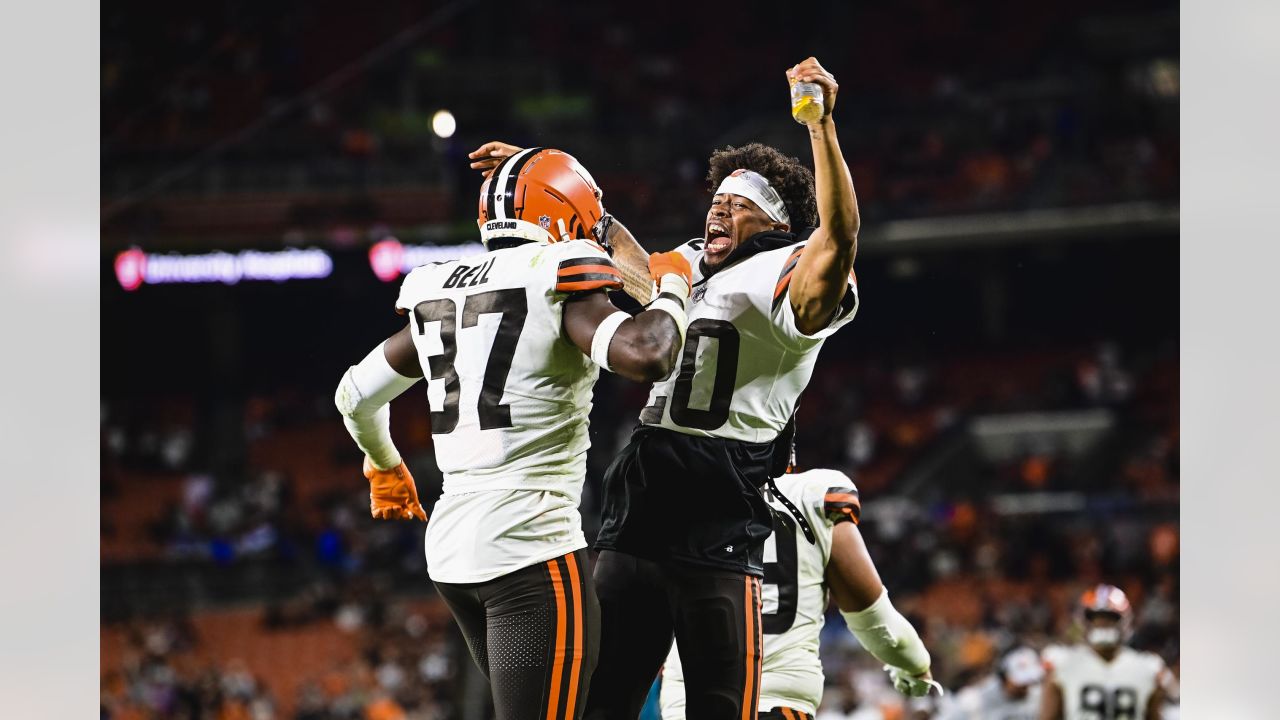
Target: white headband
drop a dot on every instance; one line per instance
(754, 187)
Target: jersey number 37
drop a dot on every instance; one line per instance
(513, 307)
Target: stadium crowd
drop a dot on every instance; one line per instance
(243, 578)
(977, 572)
(1030, 121)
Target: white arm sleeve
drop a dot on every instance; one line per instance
(363, 398)
(887, 635)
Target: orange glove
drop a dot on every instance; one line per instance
(670, 263)
(392, 494)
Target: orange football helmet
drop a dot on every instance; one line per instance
(1105, 598)
(1106, 615)
(539, 195)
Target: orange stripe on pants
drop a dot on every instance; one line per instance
(557, 661)
(749, 692)
(759, 643)
(579, 647)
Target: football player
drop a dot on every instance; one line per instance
(1011, 693)
(684, 519)
(511, 341)
(1101, 678)
(799, 577)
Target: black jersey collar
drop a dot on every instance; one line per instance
(754, 245)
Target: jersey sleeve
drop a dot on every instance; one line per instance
(834, 498)
(1053, 657)
(411, 287)
(784, 317)
(584, 266)
(692, 251)
(840, 504)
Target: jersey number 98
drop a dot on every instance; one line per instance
(1119, 704)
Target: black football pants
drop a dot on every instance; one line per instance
(714, 617)
(534, 633)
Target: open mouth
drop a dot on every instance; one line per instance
(718, 240)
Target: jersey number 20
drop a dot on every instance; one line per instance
(724, 373)
(512, 305)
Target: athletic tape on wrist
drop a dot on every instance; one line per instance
(604, 335)
(673, 293)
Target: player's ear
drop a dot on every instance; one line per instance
(781, 227)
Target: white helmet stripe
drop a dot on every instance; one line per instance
(500, 184)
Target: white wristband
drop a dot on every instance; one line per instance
(673, 294)
(604, 335)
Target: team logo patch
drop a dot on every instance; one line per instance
(699, 293)
(545, 221)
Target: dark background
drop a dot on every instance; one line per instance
(1017, 171)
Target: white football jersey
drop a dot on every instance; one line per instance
(744, 362)
(794, 597)
(509, 397)
(987, 700)
(1093, 689)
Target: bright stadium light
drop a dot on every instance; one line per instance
(443, 123)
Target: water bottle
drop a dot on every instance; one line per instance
(806, 102)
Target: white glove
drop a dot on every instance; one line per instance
(911, 685)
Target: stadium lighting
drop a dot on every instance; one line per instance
(443, 123)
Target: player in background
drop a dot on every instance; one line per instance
(684, 519)
(1101, 678)
(1011, 693)
(799, 578)
(511, 340)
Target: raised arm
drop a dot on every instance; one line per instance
(822, 274)
(632, 259)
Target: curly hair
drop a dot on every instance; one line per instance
(792, 180)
